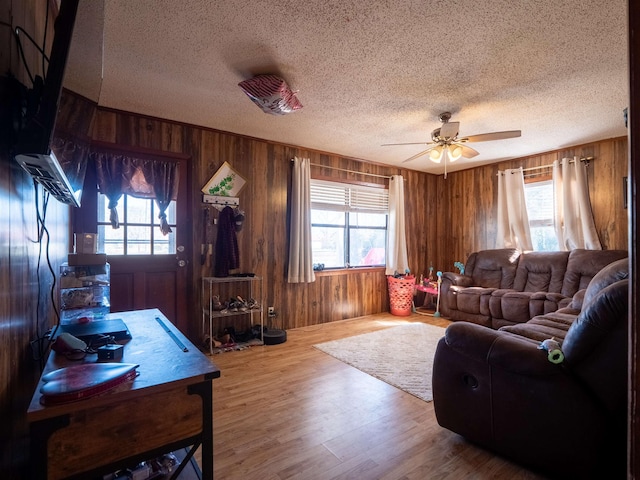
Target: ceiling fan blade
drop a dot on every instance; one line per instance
(418, 155)
(449, 129)
(486, 137)
(415, 143)
(468, 152)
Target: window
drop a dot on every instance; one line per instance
(539, 200)
(139, 232)
(348, 224)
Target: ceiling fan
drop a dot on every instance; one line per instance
(446, 145)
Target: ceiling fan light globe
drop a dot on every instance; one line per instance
(435, 155)
(455, 153)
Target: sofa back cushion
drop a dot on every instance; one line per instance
(493, 268)
(618, 270)
(584, 264)
(541, 272)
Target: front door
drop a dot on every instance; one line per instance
(148, 269)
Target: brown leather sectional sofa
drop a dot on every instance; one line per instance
(500, 390)
(505, 287)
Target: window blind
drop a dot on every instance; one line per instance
(344, 197)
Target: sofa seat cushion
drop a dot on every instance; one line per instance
(553, 325)
(474, 300)
(510, 306)
(516, 306)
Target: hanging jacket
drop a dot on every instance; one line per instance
(227, 255)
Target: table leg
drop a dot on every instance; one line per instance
(205, 391)
(38, 442)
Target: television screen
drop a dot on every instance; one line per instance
(58, 164)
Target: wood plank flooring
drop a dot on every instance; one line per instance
(290, 411)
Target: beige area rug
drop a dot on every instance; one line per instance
(401, 356)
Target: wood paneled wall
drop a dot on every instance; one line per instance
(466, 201)
(447, 219)
(263, 241)
(26, 281)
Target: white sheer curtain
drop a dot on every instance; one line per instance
(513, 221)
(396, 237)
(300, 255)
(574, 223)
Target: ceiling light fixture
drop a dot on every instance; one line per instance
(436, 154)
(448, 152)
(454, 153)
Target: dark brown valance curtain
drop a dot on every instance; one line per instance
(120, 174)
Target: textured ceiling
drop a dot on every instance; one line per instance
(370, 72)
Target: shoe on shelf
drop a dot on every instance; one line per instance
(242, 304)
(206, 342)
(253, 304)
(215, 301)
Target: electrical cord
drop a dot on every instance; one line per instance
(40, 346)
(42, 343)
(16, 34)
(92, 348)
(17, 31)
(44, 40)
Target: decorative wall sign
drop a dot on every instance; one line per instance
(226, 182)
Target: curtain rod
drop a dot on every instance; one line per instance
(350, 171)
(583, 159)
(541, 167)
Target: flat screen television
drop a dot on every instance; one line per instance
(54, 165)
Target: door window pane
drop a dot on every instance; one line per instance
(163, 245)
(104, 212)
(110, 241)
(170, 212)
(139, 210)
(139, 232)
(139, 241)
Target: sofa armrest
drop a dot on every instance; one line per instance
(499, 349)
(500, 292)
(555, 297)
(577, 300)
(457, 279)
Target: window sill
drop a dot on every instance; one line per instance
(349, 271)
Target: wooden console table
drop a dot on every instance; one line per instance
(167, 407)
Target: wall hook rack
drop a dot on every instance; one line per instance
(220, 202)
